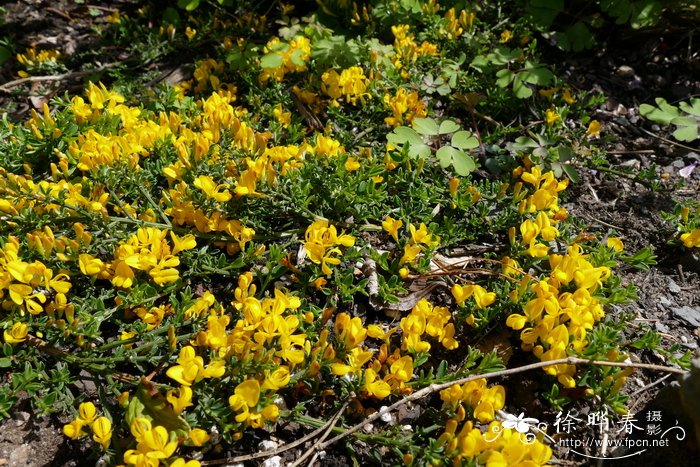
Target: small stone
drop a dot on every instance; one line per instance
(661, 327)
(673, 287)
(368, 428)
(274, 461)
(625, 71)
(268, 445)
(21, 455)
(688, 314)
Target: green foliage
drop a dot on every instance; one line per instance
(426, 133)
(685, 117)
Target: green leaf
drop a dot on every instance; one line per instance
(572, 173)
(448, 126)
(692, 108)
(504, 78)
(543, 12)
(416, 151)
(426, 126)
(188, 5)
(464, 164)
(402, 135)
(687, 129)
(521, 89)
(523, 143)
(5, 362)
(271, 60)
(664, 113)
(445, 155)
(464, 140)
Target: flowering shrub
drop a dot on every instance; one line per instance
(244, 248)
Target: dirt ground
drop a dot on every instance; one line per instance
(629, 74)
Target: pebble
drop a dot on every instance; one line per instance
(665, 301)
(688, 314)
(625, 71)
(268, 445)
(274, 461)
(673, 287)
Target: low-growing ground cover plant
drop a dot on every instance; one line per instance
(334, 214)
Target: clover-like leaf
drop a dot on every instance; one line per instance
(271, 60)
(402, 135)
(445, 155)
(426, 126)
(464, 140)
(687, 128)
(463, 163)
(448, 126)
(664, 113)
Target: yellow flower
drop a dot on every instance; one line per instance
(351, 164)
(568, 98)
(249, 391)
(102, 431)
(506, 36)
(593, 129)
(186, 242)
(691, 239)
(277, 379)
(551, 116)
(392, 226)
(16, 334)
(198, 437)
(74, 429)
(616, 244)
(374, 386)
(482, 297)
(87, 412)
(211, 189)
(180, 398)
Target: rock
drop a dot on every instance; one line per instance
(625, 71)
(22, 455)
(688, 314)
(673, 287)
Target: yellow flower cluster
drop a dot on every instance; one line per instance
(482, 297)
(148, 250)
(455, 26)
(321, 243)
(356, 360)
(555, 321)
(351, 84)
(101, 427)
(31, 58)
(293, 57)
(153, 445)
(26, 285)
(543, 200)
(419, 236)
(405, 106)
(431, 320)
(483, 401)
(265, 333)
(19, 193)
(406, 48)
(499, 446)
